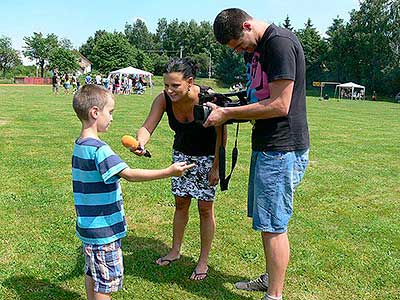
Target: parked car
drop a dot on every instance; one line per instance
(397, 97)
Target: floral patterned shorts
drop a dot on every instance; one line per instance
(194, 182)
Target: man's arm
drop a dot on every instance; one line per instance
(276, 106)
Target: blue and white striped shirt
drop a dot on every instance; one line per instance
(97, 192)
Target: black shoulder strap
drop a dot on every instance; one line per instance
(224, 181)
(204, 90)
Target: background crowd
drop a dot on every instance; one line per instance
(123, 84)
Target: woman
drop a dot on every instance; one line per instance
(192, 143)
(67, 84)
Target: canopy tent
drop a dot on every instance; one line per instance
(134, 71)
(322, 85)
(349, 88)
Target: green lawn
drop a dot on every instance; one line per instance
(345, 233)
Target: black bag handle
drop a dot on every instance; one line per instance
(224, 181)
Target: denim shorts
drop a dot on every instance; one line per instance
(104, 264)
(274, 176)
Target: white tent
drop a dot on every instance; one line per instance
(350, 87)
(134, 71)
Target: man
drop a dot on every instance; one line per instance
(280, 138)
(55, 80)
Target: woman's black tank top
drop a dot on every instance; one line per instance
(191, 138)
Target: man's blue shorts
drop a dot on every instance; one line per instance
(274, 176)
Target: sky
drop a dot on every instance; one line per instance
(78, 20)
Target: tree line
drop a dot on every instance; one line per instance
(364, 50)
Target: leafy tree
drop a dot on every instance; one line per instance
(339, 48)
(144, 61)
(161, 33)
(139, 36)
(159, 61)
(370, 31)
(394, 21)
(65, 60)
(112, 51)
(393, 72)
(66, 44)
(38, 48)
(203, 61)
(87, 48)
(9, 58)
(193, 39)
(314, 48)
(287, 23)
(22, 70)
(230, 67)
(173, 40)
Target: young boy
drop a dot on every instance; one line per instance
(96, 171)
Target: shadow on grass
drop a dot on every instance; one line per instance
(139, 260)
(140, 254)
(29, 288)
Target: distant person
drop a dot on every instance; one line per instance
(373, 96)
(116, 84)
(192, 143)
(142, 81)
(280, 137)
(96, 172)
(139, 88)
(125, 83)
(74, 83)
(67, 84)
(88, 79)
(98, 79)
(55, 80)
(130, 86)
(106, 82)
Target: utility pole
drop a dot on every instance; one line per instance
(209, 66)
(180, 53)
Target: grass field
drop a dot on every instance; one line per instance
(345, 233)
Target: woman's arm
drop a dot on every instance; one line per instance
(156, 112)
(213, 176)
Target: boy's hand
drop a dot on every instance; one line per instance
(178, 168)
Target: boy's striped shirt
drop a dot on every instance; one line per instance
(97, 192)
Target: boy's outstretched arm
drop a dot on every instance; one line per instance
(176, 169)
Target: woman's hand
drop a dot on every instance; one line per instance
(139, 150)
(213, 175)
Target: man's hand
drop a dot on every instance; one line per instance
(217, 116)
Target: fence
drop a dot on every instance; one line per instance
(32, 80)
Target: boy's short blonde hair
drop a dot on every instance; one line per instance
(88, 96)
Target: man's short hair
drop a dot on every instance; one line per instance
(228, 24)
(88, 96)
